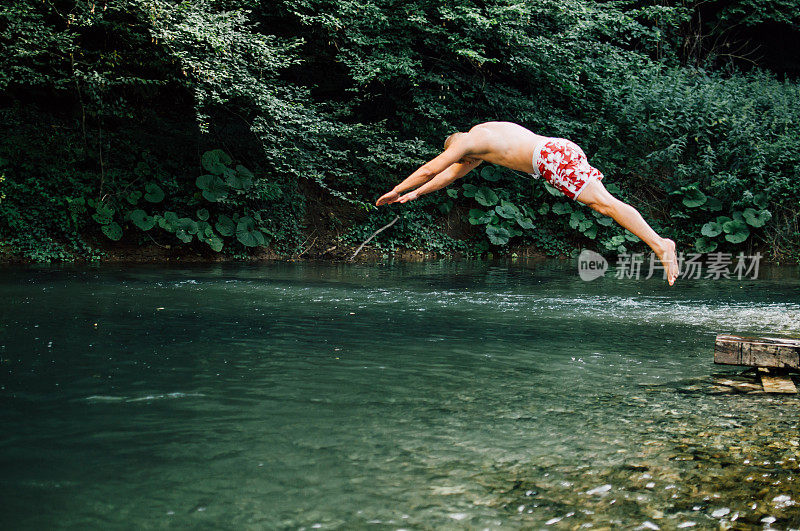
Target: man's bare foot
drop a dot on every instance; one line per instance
(666, 253)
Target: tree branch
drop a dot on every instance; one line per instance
(373, 235)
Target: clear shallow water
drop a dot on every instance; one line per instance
(417, 396)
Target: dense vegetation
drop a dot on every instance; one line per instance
(230, 125)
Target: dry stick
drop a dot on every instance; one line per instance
(302, 244)
(373, 235)
(154, 241)
(307, 248)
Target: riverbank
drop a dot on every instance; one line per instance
(335, 252)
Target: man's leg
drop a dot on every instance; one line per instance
(598, 198)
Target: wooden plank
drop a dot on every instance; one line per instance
(778, 384)
(757, 351)
(736, 383)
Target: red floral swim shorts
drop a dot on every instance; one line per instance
(564, 165)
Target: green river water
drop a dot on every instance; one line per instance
(454, 395)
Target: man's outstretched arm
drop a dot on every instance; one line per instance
(429, 170)
(445, 178)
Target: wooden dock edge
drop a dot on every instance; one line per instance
(774, 358)
(776, 352)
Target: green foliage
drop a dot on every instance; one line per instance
(153, 193)
(486, 196)
(112, 230)
(225, 226)
(756, 218)
(142, 220)
(307, 104)
(248, 234)
(721, 148)
(216, 161)
(213, 187)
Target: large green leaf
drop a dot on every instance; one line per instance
(694, 197)
(167, 221)
(576, 218)
(215, 161)
(486, 196)
(528, 211)
(711, 229)
(469, 189)
(736, 231)
(204, 230)
(525, 223)
(479, 217)
(202, 214)
(141, 219)
(579, 221)
(225, 226)
(153, 193)
(248, 234)
(507, 210)
(614, 242)
(185, 229)
(215, 242)
(204, 181)
(187, 224)
(705, 245)
(183, 236)
(112, 230)
(491, 174)
(756, 218)
(241, 179)
(213, 187)
(497, 235)
(602, 219)
(511, 227)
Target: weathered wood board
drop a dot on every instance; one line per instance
(776, 352)
(778, 384)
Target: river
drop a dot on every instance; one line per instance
(441, 395)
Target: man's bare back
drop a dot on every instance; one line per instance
(505, 144)
(560, 161)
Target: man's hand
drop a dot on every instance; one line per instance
(390, 197)
(410, 196)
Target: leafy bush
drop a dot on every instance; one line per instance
(219, 124)
(722, 150)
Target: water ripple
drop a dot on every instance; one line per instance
(145, 398)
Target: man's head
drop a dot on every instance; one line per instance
(452, 138)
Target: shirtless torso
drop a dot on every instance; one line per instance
(505, 144)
